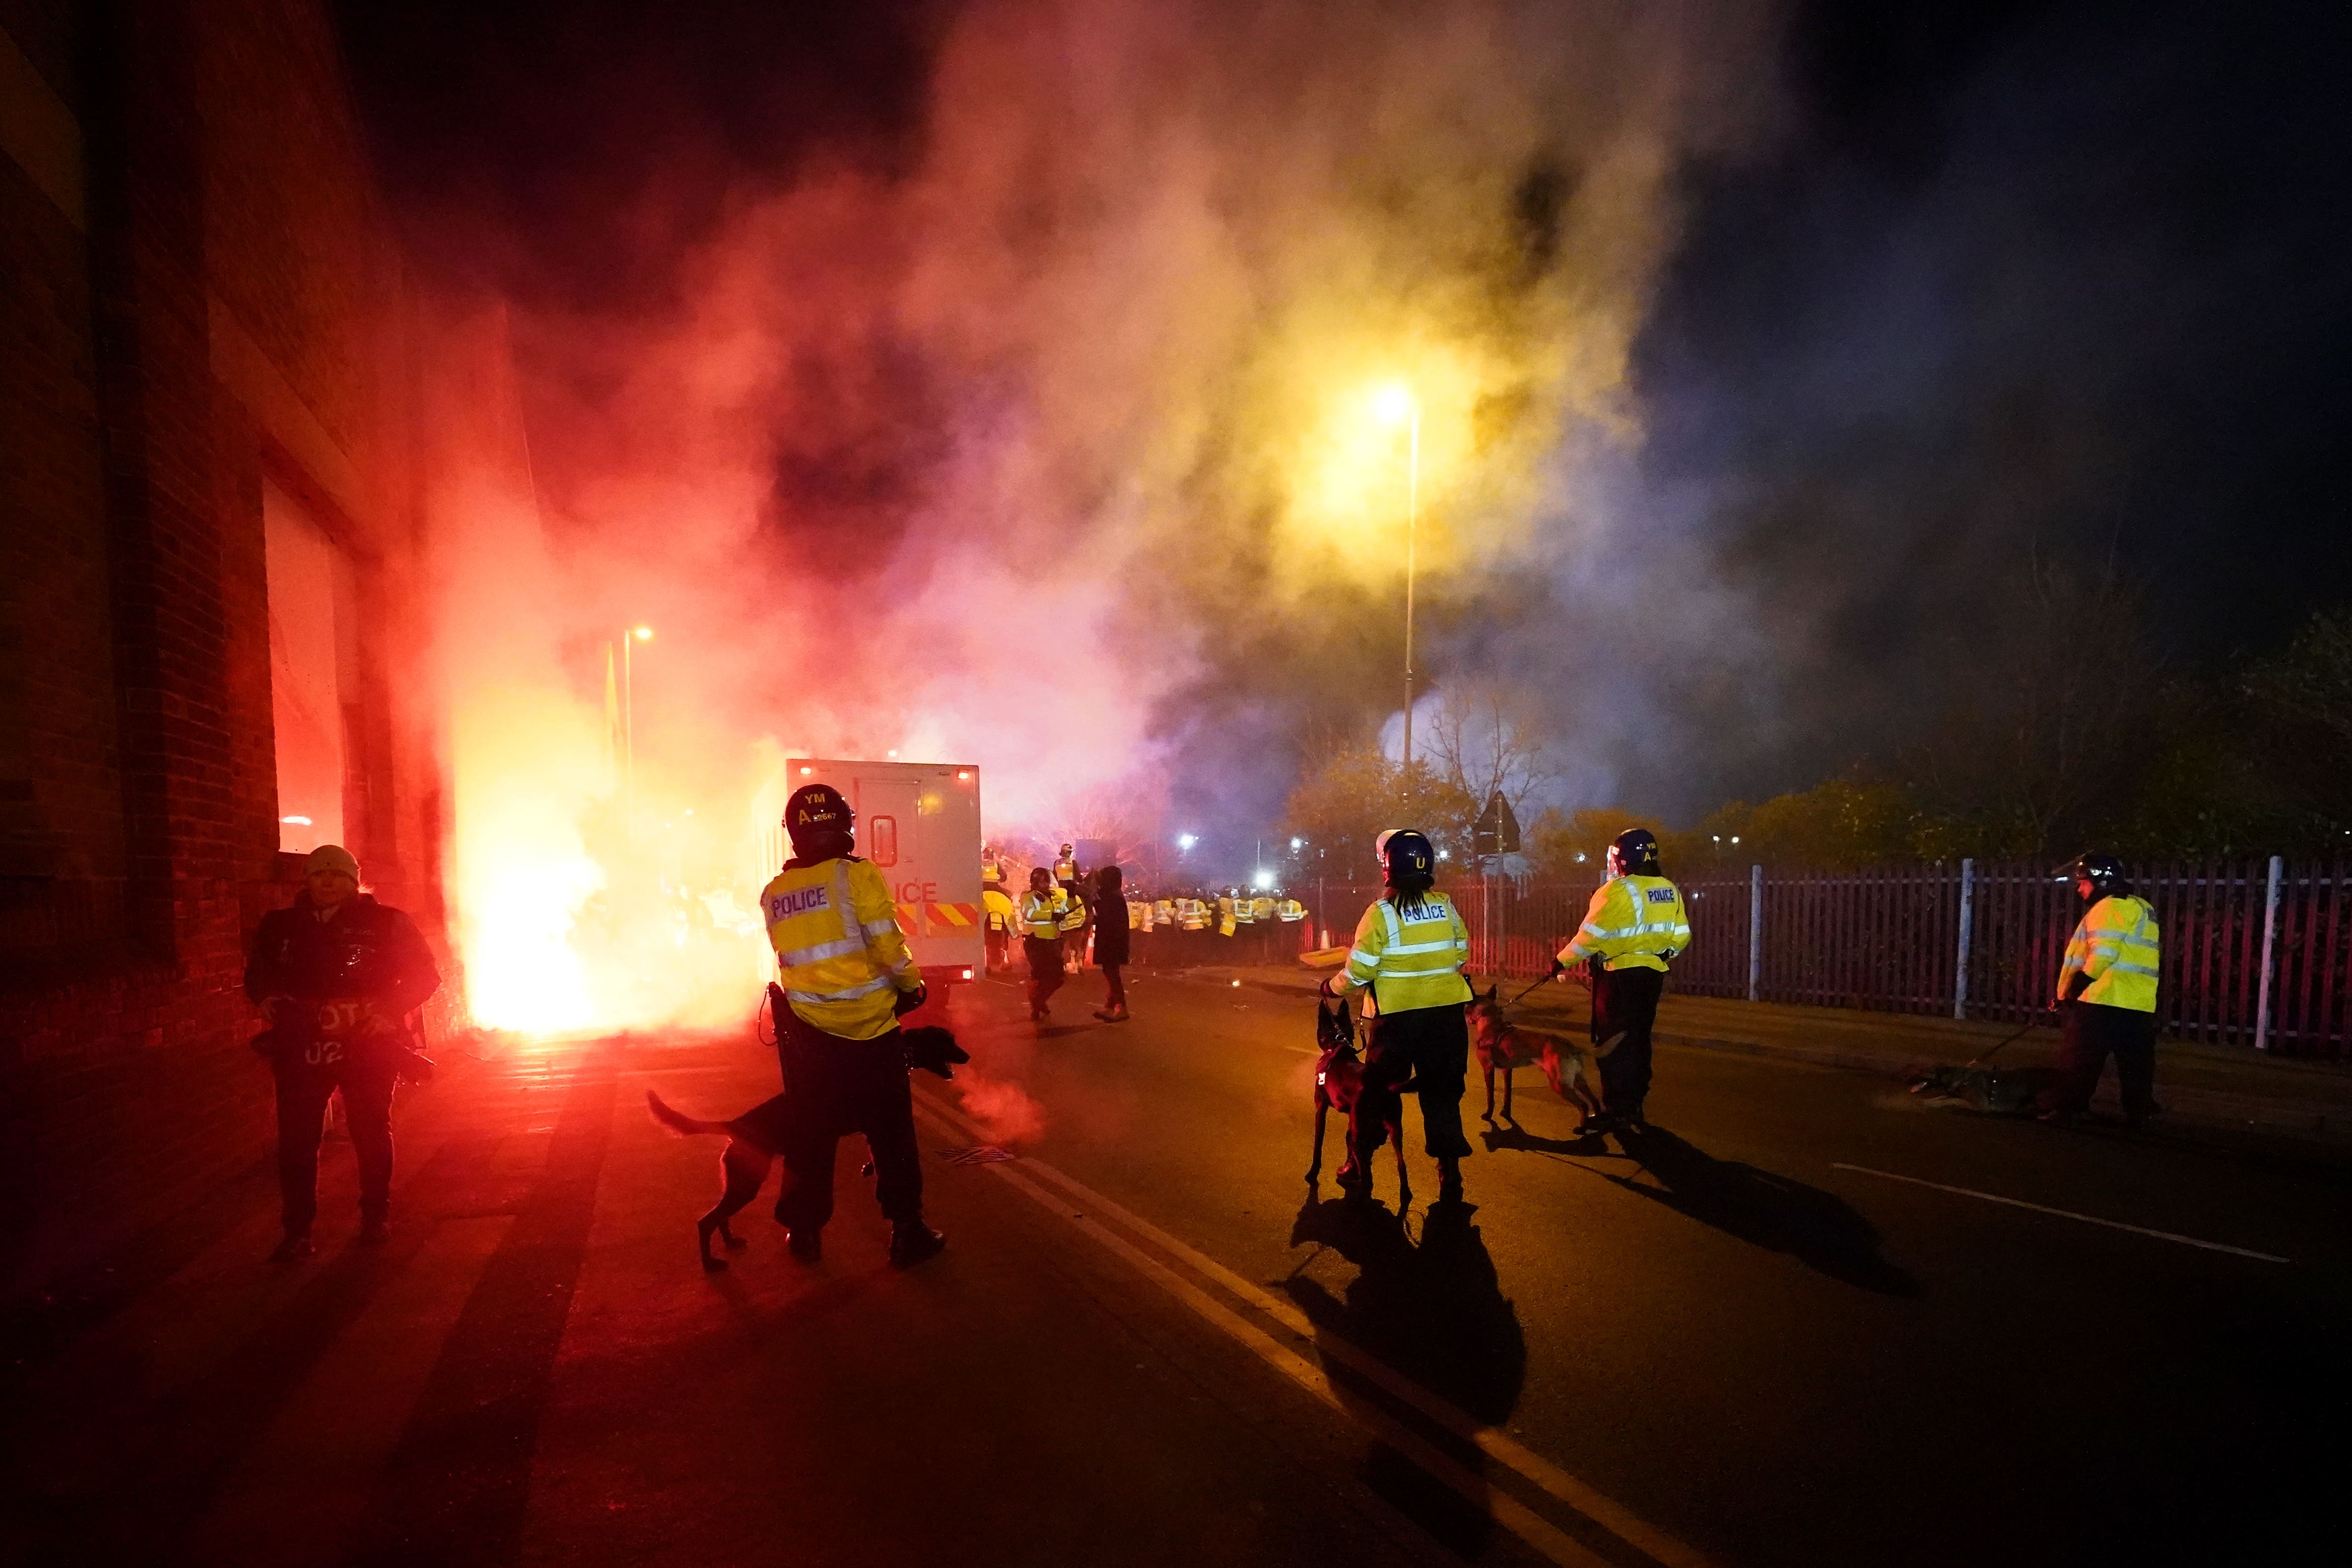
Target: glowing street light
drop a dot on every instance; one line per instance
(1394, 405)
(1185, 841)
(630, 637)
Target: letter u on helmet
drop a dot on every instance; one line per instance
(1406, 853)
(1634, 853)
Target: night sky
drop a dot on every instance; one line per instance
(1982, 284)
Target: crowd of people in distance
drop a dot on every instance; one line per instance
(1059, 918)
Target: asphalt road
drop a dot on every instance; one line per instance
(1760, 1336)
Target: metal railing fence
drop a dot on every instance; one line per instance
(2256, 951)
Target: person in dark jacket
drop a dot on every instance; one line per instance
(1110, 942)
(336, 975)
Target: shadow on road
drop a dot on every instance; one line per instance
(1820, 1229)
(1434, 1312)
(1511, 1135)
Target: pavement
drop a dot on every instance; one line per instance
(1808, 1319)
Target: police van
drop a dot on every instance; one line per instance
(918, 824)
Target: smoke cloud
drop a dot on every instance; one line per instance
(1072, 437)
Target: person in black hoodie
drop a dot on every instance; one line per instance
(336, 973)
(1110, 942)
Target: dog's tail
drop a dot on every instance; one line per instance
(683, 1125)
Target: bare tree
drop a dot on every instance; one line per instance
(1489, 737)
(2036, 746)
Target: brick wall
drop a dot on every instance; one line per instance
(222, 302)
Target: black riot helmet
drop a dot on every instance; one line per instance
(2104, 873)
(1408, 865)
(820, 822)
(1634, 853)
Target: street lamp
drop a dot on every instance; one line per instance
(630, 637)
(1395, 405)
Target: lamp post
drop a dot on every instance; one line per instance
(1396, 405)
(629, 638)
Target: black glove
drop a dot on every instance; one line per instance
(1329, 988)
(908, 1001)
(1558, 969)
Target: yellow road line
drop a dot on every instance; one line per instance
(1617, 1520)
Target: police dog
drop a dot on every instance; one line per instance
(1503, 1045)
(756, 1138)
(1340, 1086)
(753, 1141)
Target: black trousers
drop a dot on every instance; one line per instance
(366, 1074)
(833, 1088)
(2088, 1032)
(1114, 989)
(1045, 955)
(1431, 1047)
(1625, 1001)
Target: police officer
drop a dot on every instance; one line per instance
(1633, 928)
(847, 976)
(335, 973)
(1066, 869)
(1042, 909)
(2106, 996)
(1411, 948)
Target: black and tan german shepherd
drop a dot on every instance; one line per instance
(1340, 1086)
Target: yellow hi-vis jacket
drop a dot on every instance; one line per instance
(1632, 922)
(1073, 912)
(1410, 961)
(1193, 914)
(1163, 913)
(998, 907)
(834, 928)
(2116, 946)
(1225, 915)
(1040, 915)
(1291, 910)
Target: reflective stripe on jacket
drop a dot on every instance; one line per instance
(1410, 961)
(835, 931)
(1632, 922)
(2116, 946)
(1040, 915)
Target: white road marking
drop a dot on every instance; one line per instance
(2070, 1213)
(1515, 1516)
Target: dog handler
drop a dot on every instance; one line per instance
(847, 976)
(2106, 996)
(1409, 951)
(1633, 928)
(335, 973)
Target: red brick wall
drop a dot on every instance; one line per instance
(137, 813)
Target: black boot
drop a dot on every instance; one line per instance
(1449, 1181)
(912, 1242)
(805, 1245)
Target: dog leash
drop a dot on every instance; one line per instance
(2013, 1039)
(1529, 991)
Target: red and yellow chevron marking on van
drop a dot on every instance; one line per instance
(913, 918)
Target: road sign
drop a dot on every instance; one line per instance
(1497, 832)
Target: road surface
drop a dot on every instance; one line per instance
(1806, 1321)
